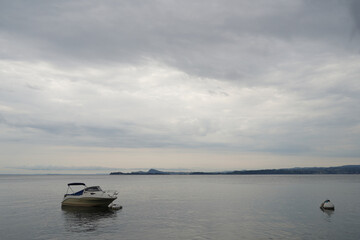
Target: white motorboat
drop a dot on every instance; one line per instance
(88, 197)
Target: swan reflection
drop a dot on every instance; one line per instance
(86, 219)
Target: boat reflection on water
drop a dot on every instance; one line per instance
(327, 215)
(83, 219)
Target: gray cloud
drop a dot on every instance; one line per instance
(229, 37)
(355, 10)
(277, 76)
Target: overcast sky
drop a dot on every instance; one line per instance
(102, 85)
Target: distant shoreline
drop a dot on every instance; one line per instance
(347, 169)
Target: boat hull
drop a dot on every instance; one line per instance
(87, 201)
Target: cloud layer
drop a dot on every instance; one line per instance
(277, 77)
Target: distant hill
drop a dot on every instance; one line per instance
(348, 169)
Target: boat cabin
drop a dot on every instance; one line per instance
(93, 189)
(85, 189)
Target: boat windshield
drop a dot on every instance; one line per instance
(93, 189)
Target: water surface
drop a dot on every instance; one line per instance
(184, 207)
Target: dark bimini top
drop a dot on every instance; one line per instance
(76, 183)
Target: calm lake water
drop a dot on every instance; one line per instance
(185, 207)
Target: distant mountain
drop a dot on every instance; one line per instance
(348, 169)
(150, 172)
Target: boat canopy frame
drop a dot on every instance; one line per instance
(78, 193)
(76, 183)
